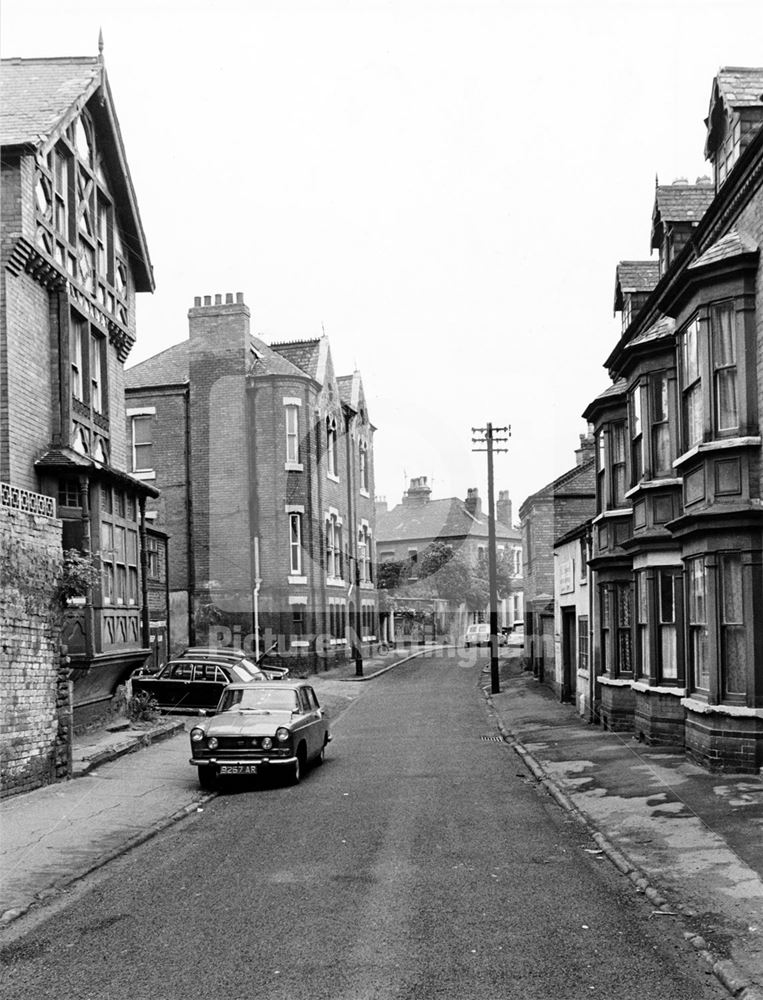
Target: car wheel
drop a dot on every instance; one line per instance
(207, 778)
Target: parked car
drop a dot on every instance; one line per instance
(188, 685)
(517, 634)
(278, 724)
(477, 635)
(224, 654)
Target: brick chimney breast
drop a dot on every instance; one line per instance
(473, 503)
(418, 492)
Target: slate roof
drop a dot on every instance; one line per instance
(681, 202)
(664, 327)
(632, 276)
(36, 94)
(740, 85)
(170, 367)
(68, 460)
(581, 478)
(733, 244)
(302, 353)
(434, 520)
(345, 386)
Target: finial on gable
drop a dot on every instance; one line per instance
(100, 43)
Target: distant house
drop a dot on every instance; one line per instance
(74, 257)
(558, 508)
(404, 532)
(265, 461)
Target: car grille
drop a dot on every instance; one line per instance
(235, 746)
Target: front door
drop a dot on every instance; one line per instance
(569, 658)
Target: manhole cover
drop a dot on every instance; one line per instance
(492, 739)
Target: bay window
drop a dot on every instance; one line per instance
(661, 458)
(733, 674)
(693, 406)
(699, 654)
(726, 410)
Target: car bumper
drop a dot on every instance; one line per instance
(217, 762)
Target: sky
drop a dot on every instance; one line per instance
(445, 188)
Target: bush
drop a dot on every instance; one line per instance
(142, 708)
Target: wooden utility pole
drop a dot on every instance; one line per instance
(488, 438)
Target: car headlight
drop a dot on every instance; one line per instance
(267, 743)
(282, 734)
(212, 743)
(197, 735)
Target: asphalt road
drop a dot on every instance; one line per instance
(420, 861)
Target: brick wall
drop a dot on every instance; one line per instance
(34, 691)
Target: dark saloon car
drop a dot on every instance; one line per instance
(224, 654)
(278, 724)
(188, 685)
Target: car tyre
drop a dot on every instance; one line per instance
(321, 755)
(298, 767)
(207, 778)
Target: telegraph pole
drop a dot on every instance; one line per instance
(487, 436)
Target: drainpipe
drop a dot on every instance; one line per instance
(190, 536)
(256, 599)
(144, 618)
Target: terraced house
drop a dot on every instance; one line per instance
(677, 538)
(264, 458)
(74, 256)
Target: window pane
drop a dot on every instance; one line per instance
(661, 459)
(694, 416)
(727, 411)
(722, 320)
(668, 652)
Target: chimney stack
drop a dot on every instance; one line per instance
(587, 448)
(473, 503)
(503, 508)
(418, 492)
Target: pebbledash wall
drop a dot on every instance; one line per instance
(35, 693)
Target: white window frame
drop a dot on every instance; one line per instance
(291, 426)
(135, 415)
(295, 547)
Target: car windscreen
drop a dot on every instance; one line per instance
(258, 699)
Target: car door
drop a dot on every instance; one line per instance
(315, 724)
(209, 681)
(171, 688)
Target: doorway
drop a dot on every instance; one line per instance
(569, 654)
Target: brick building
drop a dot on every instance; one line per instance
(265, 462)
(677, 554)
(404, 532)
(545, 516)
(74, 256)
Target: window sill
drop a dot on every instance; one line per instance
(652, 484)
(332, 477)
(294, 467)
(298, 579)
(721, 444)
(365, 493)
(734, 711)
(366, 585)
(144, 476)
(335, 581)
(615, 512)
(645, 688)
(614, 681)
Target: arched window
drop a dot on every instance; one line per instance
(331, 446)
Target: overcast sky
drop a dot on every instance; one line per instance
(444, 187)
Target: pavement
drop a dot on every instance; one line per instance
(689, 841)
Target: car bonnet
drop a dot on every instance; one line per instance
(249, 723)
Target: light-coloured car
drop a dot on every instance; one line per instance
(477, 635)
(271, 724)
(517, 634)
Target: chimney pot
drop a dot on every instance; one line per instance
(207, 300)
(218, 300)
(229, 298)
(197, 300)
(240, 297)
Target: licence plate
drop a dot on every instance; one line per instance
(238, 769)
